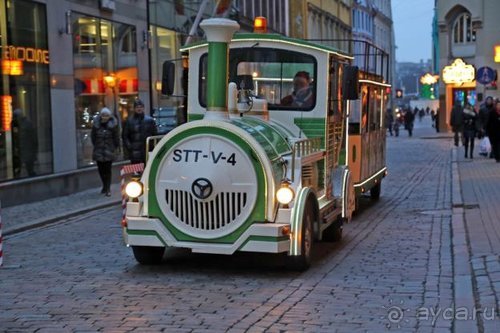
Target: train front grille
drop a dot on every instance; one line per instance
(213, 214)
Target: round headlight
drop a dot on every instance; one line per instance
(133, 189)
(285, 195)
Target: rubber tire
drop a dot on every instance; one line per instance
(148, 255)
(375, 191)
(332, 234)
(303, 261)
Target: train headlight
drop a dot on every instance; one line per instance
(133, 189)
(285, 193)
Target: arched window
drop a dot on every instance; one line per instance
(462, 30)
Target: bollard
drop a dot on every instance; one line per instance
(127, 170)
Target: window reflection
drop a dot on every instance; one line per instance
(25, 110)
(102, 49)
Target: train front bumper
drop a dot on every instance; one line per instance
(258, 237)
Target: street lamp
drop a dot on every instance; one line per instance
(110, 80)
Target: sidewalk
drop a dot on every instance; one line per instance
(479, 207)
(23, 217)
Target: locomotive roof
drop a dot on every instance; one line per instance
(275, 38)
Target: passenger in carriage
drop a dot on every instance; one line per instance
(303, 94)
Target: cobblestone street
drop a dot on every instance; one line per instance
(402, 266)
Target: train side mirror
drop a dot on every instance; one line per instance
(350, 83)
(168, 78)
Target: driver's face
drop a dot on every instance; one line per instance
(299, 83)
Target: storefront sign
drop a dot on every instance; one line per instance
(6, 112)
(459, 72)
(429, 78)
(27, 54)
(12, 67)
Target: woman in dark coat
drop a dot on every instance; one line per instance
(106, 139)
(470, 129)
(493, 130)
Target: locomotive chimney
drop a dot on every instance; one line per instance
(219, 32)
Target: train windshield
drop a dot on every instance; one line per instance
(284, 78)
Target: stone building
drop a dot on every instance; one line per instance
(468, 32)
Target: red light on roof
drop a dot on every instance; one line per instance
(260, 25)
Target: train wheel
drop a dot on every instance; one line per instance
(375, 191)
(303, 261)
(333, 233)
(148, 255)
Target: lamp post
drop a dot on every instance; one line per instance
(110, 80)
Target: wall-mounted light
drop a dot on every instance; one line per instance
(497, 53)
(12, 67)
(67, 24)
(110, 80)
(158, 85)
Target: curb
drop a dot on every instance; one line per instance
(43, 222)
(463, 293)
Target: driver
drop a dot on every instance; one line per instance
(302, 95)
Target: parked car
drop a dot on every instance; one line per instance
(166, 118)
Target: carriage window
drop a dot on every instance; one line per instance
(365, 104)
(286, 79)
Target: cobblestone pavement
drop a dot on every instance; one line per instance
(395, 270)
(480, 188)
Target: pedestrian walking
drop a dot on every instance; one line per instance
(470, 129)
(493, 130)
(457, 122)
(105, 137)
(389, 120)
(136, 130)
(436, 124)
(484, 113)
(25, 144)
(409, 120)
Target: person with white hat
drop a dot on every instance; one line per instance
(106, 140)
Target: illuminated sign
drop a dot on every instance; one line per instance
(6, 104)
(459, 72)
(429, 78)
(12, 67)
(27, 54)
(497, 53)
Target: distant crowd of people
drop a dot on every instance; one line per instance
(404, 117)
(106, 140)
(468, 123)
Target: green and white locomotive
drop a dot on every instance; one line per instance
(249, 172)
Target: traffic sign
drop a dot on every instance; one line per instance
(485, 75)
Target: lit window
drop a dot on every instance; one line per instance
(462, 30)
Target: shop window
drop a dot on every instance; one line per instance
(105, 67)
(25, 108)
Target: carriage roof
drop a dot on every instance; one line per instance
(276, 38)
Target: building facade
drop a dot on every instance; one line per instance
(63, 61)
(331, 22)
(372, 25)
(468, 34)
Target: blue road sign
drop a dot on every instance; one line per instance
(485, 75)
